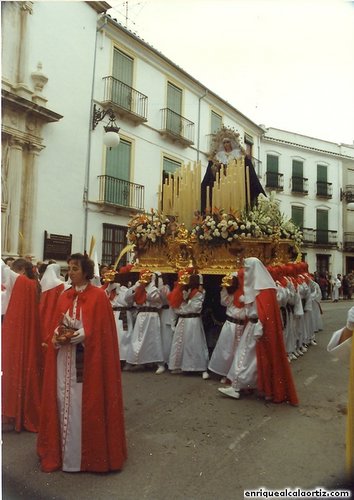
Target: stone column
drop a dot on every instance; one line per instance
(28, 209)
(14, 185)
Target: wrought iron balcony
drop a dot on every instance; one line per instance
(320, 237)
(348, 242)
(274, 180)
(176, 127)
(120, 193)
(299, 185)
(130, 102)
(347, 194)
(324, 189)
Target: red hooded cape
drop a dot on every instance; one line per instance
(103, 432)
(22, 362)
(274, 377)
(47, 308)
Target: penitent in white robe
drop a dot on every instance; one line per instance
(124, 334)
(189, 350)
(146, 344)
(243, 371)
(229, 338)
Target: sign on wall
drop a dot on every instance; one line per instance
(56, 246)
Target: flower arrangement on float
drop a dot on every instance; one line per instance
(220, 227)
(264, 221)
(147, 228)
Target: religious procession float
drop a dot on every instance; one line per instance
(213, 224)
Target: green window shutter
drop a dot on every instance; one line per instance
(272, 171)
(321, 173)
(118, 161)
(169, 167)
(174, 105)
(174, 98)
(322, 185)
(297, 216)
(272, 163)
(117, 185)
(298, 168)
(298, 176)
(122, 67)
(123, 73)
(322, 226)
(216, 122)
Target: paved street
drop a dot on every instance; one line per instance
(187, 441)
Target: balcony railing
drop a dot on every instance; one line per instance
(274, 180)
(120, 193)
(348, 242)
(320, 237)
(299, 185)
(324, 189)
(177, 127)
(347, 194)
(129, 101)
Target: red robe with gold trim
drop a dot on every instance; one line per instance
(274, 377)
(22, 361)
(103, 433)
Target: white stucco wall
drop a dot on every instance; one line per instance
(62, 36)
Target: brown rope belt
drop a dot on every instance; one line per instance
(165, 306)
(123, 315)
(190, 315)
(235, 320)
(147, 309)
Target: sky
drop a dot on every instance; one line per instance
(287, 64)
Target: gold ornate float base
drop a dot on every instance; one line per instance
(177, 253)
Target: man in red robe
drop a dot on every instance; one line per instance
(22, 363)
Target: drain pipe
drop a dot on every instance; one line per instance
(198, 137)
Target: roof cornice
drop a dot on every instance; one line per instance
(100, 7)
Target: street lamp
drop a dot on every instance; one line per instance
(111, 138)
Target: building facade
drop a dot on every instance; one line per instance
(62, 188)
(307, 175)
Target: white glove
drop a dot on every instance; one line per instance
(258, 330)
(185, 295)
(350, 319)
(135, 286)
(79, 336)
